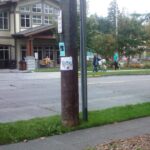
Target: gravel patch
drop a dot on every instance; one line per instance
(135, 143)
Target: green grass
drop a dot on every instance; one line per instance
(56, 69)
(120, 72)
(98, 74)
(39, 127)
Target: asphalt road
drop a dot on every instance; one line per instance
(29, 95)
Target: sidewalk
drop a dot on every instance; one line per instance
(82, 139)
(7, 74)
(13, 71)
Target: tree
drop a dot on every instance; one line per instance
(99, 38)
(131, 34)
(118, 30)
(104, 25)
(92, 29)
(113, 12)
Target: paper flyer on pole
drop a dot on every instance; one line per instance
(66, 63)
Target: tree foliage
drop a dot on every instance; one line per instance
(113, 12)
(132, 32)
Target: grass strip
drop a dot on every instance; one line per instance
(119, 72)
(56, 69)
(48, 126)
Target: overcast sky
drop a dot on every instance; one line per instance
(100, 6)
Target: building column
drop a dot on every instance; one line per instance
(29, 47)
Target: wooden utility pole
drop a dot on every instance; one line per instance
(69, 78)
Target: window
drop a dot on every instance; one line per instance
(38, 14)
(48, 20)
(25, 20)
(4, 52)
(37, 8)
(48, 9)
(37, 19)
(55, 18)
(4, 20)
(25, 9)
(56, 11)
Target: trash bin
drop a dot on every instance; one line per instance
(22, 65)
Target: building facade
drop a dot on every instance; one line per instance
(27, 27)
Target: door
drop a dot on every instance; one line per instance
(4, 57)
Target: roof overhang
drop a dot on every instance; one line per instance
(3, 2)
(33, 31)
(6, 2)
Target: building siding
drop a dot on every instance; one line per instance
(6, 36)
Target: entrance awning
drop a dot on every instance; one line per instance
(37, 32)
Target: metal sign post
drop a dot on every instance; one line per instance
(83, 59)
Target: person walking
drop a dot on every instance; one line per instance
(95, 63)
(116, 59)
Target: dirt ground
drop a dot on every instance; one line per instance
(135, 143)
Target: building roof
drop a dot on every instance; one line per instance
(8, 1)
(5, 2)
(33, 31)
